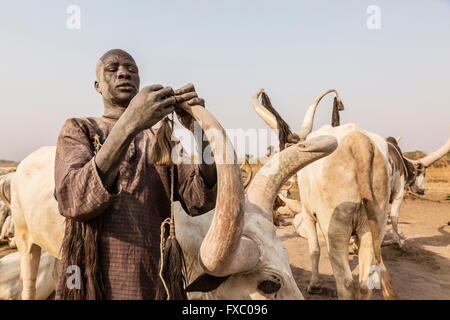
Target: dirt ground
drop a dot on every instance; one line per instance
(420, 270)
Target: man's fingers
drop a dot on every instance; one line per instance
(186, 96)
(196, 101)
(169, 101)
(185, 89)
(164, 92)
(153, 87)
(167, 110)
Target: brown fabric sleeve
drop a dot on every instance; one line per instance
(78, 188)
(195, 196)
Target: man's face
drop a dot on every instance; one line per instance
(117, 78)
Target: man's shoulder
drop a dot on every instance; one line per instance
(85, 121)
(86, 124)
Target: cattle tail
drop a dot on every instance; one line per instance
(364, 154)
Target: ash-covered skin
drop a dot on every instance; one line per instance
(118, 82)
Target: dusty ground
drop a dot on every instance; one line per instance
(420, 270)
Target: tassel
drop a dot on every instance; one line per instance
(161, 154)
(335, 117)
(172, 282)
(285, 135)
(283, 127)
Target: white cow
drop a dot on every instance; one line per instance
(346, 193)
(237, 240)
(11, 285)
(406, 174)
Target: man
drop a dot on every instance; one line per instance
(113, 197)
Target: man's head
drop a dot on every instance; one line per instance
(117, 77)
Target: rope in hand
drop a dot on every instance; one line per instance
(168, 221)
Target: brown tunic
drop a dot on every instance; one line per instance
(130, 237)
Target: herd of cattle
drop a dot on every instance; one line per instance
(347, 178)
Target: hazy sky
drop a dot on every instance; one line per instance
(393, 81)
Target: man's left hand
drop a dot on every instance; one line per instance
(186, 97)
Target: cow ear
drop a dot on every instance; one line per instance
(205, 283)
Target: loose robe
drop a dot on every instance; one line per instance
(129, 244)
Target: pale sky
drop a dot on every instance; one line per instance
(393, 81)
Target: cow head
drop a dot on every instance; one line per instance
(414, 170)
(233, 252)
(418, 184)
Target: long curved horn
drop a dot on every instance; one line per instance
(265, 114)
(436, 155)
(223, 246)
(266, 184)
(308, 121)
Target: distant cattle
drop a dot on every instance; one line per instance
(6, 223)
(407, 174)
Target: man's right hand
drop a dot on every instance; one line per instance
(149, 106)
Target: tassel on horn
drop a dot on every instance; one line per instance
(161, 154)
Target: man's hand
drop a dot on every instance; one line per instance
(149, 106)
(185, 98)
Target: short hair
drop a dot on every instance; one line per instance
(118, 52)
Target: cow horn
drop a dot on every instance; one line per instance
(265, 114)
(436, 155)
(308, 121)
(269, 179)
(223, 247)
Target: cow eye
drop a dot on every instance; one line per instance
(269, 286)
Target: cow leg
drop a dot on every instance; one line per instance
(29, 266)
(338, 234)
(309, 222)
(345, 285)
(365, 257)
(395, 211)
(30, 255)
